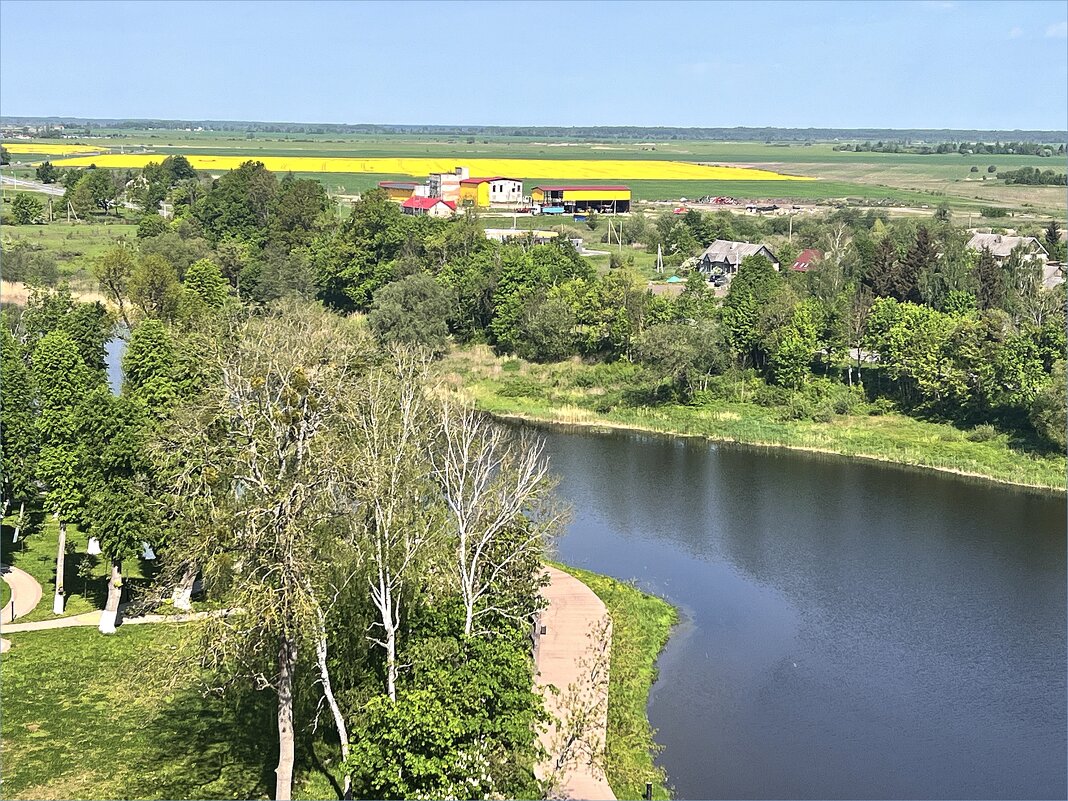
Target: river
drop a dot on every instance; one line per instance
(849, 629)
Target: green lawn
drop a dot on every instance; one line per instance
(5, 594)
(93, 716)
(571, 392)
(641, 624)
(36, 554)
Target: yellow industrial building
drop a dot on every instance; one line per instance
(399, 190)
(583, 198)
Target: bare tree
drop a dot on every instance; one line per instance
(495, 490)
(387, 476)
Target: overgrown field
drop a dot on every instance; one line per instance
(615, 395)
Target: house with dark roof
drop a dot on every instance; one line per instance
(723, 256)
(429, 206)
(806, 259)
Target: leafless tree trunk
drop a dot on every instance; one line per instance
(331, 701)
(61, 553)
(390, 434)
(111, 609)
(183, 591)
(18, 522)
(287, 657)
(487, 483)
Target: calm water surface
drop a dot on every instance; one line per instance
(849, 630)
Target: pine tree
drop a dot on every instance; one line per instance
(920, 258)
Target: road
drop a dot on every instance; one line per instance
(32, 186)
(48, 189)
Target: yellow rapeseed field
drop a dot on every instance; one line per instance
(541, 169)
(49, 148)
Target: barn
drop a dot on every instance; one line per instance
(611, 199)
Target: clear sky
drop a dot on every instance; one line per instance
(938, 64)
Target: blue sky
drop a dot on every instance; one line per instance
(938, 64)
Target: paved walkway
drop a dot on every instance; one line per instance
(25, 593)
(93, 619)
(573, 656)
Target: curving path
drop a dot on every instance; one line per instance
(572, 656)
(25, 595)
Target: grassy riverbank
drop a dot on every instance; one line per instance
(604, 396)
(641, 624)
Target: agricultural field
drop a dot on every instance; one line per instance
(666, 170)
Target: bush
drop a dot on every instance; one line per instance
(511, 366)
(991, 211)
(883, 406)
(770, 396)
(983, 433)
(521, 387)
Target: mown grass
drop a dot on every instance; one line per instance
(93, 716)
(36, 554)
(641, 624)
(575, 393)
(5, 594)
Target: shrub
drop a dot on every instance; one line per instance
(883, 406)
(511, 365)
(983, 433)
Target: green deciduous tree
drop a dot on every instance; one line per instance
(18, 435)
(750, 292)
(47, 173)
(62, 380)
(412, 311)
(154, 287)
(26, 208)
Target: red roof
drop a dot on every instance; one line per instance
(426, 203)
(485, 180)
(583, 188)
(805, 259)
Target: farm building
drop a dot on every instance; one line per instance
(430, 206)
(485, 192)
(1000, 246)
(399, 190)
(724, 256)
(446, 185)
(806, 259)
(615, 199)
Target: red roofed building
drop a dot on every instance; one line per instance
(806, 259)
(430, 206)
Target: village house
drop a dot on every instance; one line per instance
(723, 257)
(1002, 245)
(429, 206)
(806, 260)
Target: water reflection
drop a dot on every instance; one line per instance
(853, 630)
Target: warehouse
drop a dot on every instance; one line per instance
(400, 190)
(485, 192)
(611, 199)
